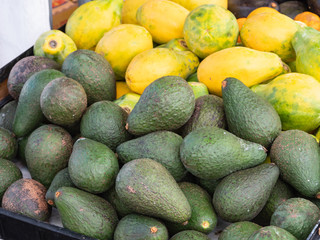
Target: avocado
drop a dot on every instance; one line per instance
(47, 152)
(86, 213)
(161, 146)
(296, 215)
(139, 227)
(8, 144)
(61, 179)
(208, 184)
(93, 72)
(63, 101)
(297, 155)
(203, 218)
(190, 235)
(7, 113)
(93, 167)
(240, 196)
(166, 104)
(271, 232)
(239, 231)
(279, 194)
(26, 67)
(249, 116)
(112, 197)
(9, 174)
(29, 115)
(212, 153)
(105, 122)
(27, 197)
(208, 111)
(193, 77)
(148, 188)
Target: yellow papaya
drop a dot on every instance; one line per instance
(248, 65)
(122, 88)
(54, 44)
(192, 4)
(296, 98)
(90, 21)
(129, 11)
(163, 19)
(270, 32)
(210, 28)
(121, 44)
(128, 101)
(154, 63)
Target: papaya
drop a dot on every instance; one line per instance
(121, 44)
(122, 88)
(306, 44)
(91, 20)
(210, 28)
(154, 63)
(248, 65)
(192, 4)
(177, 44)
(163, 19)
(295, 96)
(128, 101)
(270, 32)
(129, 11)
(54, 44)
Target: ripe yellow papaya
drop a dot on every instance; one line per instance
(163, 19)
(296, 98)
(270, 32)
(248, 65)
(192, 4)
(152, 64)
(129, 11)
(54, 44)
(121, 44)
(90, 21)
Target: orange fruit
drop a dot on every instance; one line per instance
(310, 19)
(240, 22)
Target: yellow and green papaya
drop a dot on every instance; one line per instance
(54, 44)
(154, 63)
(129, 11)
(192, 4)
(90, 21)
(121, 44)
(296, 98)
(248, 65)
(163, 19)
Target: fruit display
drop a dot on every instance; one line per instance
(163, 119)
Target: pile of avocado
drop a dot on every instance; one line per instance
(169, 169)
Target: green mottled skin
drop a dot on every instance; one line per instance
(86, 213)
(249, 116)
(297, 155)
(139, 227)
(93, 72)
(166, 104)
(112, 197)
(241, 195)
(105, 122)
(210, 28)
(27, 197)
(9, 173)
(161, 146)
(296, 215)
(209, 111)
(208, 184)
(148, 188)
(8, 144)
(47, 152)
(93, 167)
(25, 68)
(271, 232)
(307, 47)
(177, 44)
(63, 101)
(190, 235)
(61, 179)
(212, 153)
(239, 231)
(279, 194)
(7, 113)
(203, 218)
(28, 113)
